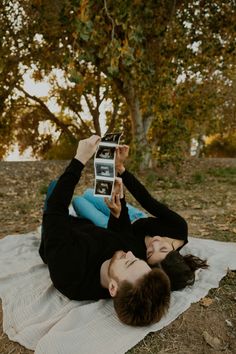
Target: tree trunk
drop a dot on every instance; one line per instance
(142, 153)
(200, 145)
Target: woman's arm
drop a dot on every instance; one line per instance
(140, 193)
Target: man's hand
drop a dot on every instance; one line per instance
(114, 204)
(122, 152)
(87, 148)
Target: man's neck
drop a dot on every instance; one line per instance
(104, 278)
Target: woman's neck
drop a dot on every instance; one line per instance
(175, 243)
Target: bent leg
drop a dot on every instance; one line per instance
(98, 202)
(134, 213)
(86, 209)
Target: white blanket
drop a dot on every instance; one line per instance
(37, 316)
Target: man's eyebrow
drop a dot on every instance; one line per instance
(131, 263)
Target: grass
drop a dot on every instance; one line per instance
(198, 177)
(225, 172)
(43, 189)
(24, 208)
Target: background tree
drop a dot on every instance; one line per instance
(128, 53)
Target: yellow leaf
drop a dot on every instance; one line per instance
(206, 301)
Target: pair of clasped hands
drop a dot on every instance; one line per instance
(86, 149)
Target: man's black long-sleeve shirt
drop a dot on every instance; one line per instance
(165, 222)
(74, 248)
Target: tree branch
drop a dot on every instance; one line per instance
(89, 104)
(50, 115)
(95, 115)
(83, 123)
(111, 19)
(113, 118)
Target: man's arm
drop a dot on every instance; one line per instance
(61, 196)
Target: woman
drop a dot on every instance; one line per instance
(164, 233)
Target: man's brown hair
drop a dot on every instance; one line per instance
(144, 302)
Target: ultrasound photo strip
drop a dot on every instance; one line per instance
(103, 188)
(105, 169)
(105, 152)
(111, 139)
(104, 165)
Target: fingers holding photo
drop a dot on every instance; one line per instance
(114, 204)
(118, 187)
(122, 152)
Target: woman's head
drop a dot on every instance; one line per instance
(157, 249)
(181, 269)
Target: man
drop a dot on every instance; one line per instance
(88, 262)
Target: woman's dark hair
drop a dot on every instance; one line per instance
(181, 269)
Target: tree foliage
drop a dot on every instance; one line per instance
(129, 53)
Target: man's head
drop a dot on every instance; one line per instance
(141, 295)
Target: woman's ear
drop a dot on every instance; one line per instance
(113, 287)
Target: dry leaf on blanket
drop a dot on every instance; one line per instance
(214, 342)
(206, 301)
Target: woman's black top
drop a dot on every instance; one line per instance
(165, 222)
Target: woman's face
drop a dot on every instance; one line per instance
(157, 249)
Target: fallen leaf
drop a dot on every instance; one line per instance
(206, 301)
(229, 323)
(223, 227)
(204, 233)
(214, 342)
(197, 206)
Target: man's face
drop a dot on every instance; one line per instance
(125, 266)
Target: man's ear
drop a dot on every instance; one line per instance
(113, 287)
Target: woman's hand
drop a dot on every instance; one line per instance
(122, 152)
(114, 204)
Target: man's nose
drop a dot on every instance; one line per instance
(156, 238)
(129, 255)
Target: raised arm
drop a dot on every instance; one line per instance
(140, 193)
(60, 198)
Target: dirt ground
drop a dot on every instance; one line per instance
(204, 192)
